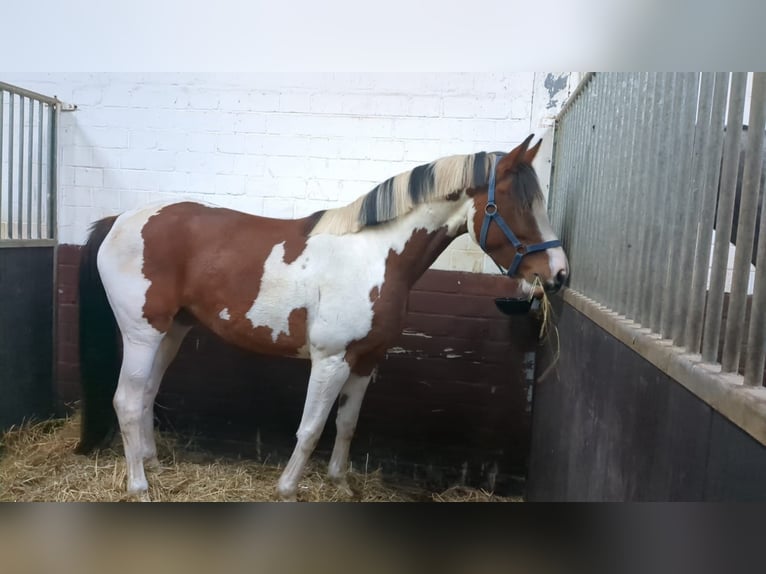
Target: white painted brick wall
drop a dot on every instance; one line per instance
(280, 145)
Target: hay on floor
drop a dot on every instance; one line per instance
(37, 463)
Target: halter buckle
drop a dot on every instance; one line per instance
(490, 208)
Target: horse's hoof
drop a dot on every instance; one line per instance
(342, 485)
(152, 463)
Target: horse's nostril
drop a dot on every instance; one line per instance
(561, 277)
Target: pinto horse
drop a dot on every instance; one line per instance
(331, 288)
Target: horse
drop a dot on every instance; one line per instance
(331, 288)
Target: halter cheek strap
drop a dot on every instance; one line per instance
(491, 214)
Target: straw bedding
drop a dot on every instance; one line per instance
(37, 463)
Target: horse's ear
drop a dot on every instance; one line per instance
(514, 157)
(529, 157)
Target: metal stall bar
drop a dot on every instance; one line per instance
(53, 114)
(653, 266)
(30, 157)
(711, 163)
(40, 171)
(713, 314)
(11, 125)
(666, 205)
(677, 175)
(688, 243)
(627, 190)
(618, 193)
(651, 217)
(2, 123)
(746, 232)
(644, 187)
(756, 337)
(20, 205)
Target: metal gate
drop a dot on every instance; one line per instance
(28, 164)
(659, 389)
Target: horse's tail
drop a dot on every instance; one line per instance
(99, 348)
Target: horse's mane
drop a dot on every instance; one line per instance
(400, 194)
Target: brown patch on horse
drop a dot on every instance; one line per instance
(390, 307)
(204, 259)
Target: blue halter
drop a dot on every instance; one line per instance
(491, 214)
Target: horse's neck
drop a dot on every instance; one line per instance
(418, 238)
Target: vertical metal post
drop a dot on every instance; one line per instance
(652, 216)
(2, 111)
(630, 192)
(644, 185)
(668, 198)
(713, 316)
(30, 156)
(21, 168)
(711, 162)
(40, 171)
(652, 266)
(10, 164)
(690, 205)
(615, 196)
(53, 177)
(756, 337)
(746, 227)
(678, 176)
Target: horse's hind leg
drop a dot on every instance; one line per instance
(167, 351)
(328, 374)
(138, 359)
(349, 403)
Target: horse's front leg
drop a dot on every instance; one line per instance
(349, 403)
(328, 374)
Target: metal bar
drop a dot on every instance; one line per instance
(21, 168)
(746, 227)
(713, 316)
(755, 361)
(628, 194)
(53, 177)
(655, 267)
(662, 269)
(592, 246)
(712, 164)
(27, 243)
(10, 165)
(41, 107)
(644, 185)
(28, 93)
(678, 206)
(614, 199)
(30, 157)
(2, 114)
(649, 262)
(688, 243)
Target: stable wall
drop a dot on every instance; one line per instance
(610, 426)
(280, 145)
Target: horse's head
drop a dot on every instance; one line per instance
(510, 223)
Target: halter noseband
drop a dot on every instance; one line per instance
(491, 214)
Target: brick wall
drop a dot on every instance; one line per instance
(451, 401)
(280, 145)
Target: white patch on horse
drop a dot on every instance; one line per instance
(557, 259)
(224, 314)
(333, 277)
(120, 265)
